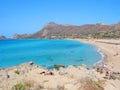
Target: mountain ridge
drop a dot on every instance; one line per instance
(54, 30)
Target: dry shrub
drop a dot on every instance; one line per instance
(60, 87)
(27, 84)
(89, 84)
(18, 86)
(37, 87)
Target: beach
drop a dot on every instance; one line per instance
(32, 77)
(111, 49)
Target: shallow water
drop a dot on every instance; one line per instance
(47, 52)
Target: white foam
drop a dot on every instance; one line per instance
(102, 57)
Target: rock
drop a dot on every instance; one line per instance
(3, 38)
(21, 36)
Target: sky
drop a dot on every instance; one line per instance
(30, 16)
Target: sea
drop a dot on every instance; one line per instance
(47, 53)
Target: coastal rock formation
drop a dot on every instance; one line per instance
(21, 36)
(99, 30)
(3, 38)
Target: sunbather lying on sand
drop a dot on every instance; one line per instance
(42, 72)
(63, 73)
(48, 73)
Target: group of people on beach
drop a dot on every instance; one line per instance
(105, 69)
(102, 69)
(51, 73)
(47, 73)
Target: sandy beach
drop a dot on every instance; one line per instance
(33, 77)
(111, 49)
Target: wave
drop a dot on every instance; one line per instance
(103, 57)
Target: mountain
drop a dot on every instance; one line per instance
(53, 30)
(3, 38)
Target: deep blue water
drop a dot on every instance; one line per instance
(47, 52)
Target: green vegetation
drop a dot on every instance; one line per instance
(18, 86)
(97, 83)
(26, 85)
(17, 72)
(45, 81)
(89, 84)
(57, 67)
(101, 35)
(111, 34)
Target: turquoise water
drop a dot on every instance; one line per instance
(47, 52)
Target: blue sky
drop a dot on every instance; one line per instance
(29, 16)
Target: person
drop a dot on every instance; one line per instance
(111, 75)
(48, 73)
(101, 70)
(63, 73)
(98, 68)
(107, 73)
(105, 66)
(42, 72)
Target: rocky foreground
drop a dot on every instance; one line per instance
(29, 76)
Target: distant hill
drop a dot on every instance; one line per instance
(3, 38)
(21, 36)
(53, 30)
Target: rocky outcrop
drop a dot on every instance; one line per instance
(3, 38)
(21, 36)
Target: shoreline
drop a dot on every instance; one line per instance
(103, 57)
(103, 54)
(110, 51)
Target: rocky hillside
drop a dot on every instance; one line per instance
(3, 38)
(21, 36)
(99, 30)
